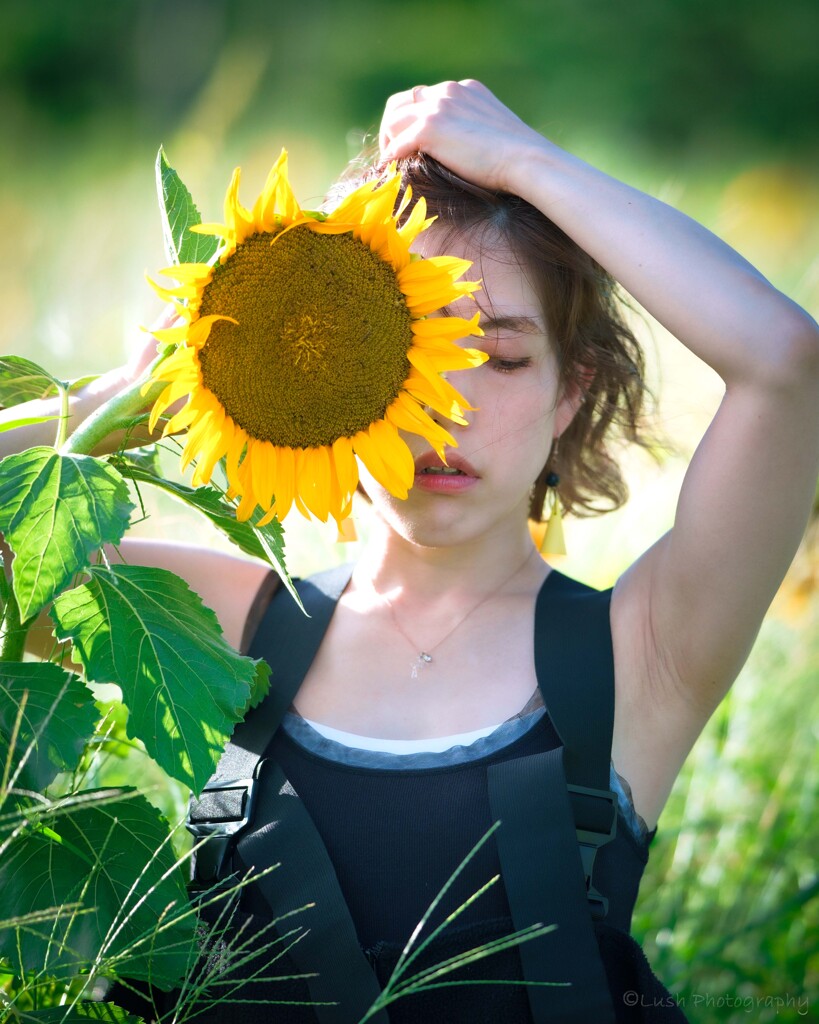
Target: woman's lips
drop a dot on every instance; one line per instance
(432, 475)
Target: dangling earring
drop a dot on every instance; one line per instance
(553, 541)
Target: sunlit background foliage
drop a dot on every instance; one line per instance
(710, 106)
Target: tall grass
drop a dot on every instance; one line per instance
(729, 909)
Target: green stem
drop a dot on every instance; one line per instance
(116, 414)
(13, 641)
(62, 425)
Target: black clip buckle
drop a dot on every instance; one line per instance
(590, 841)
(211, 855)
(228, 827)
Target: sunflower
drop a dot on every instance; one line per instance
(309, 343)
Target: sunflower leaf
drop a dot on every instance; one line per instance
(266, 542)
(80, 382)
(58, 720)
(83, 862)
(21, 380)
(55, 511)
(185, 687)
(261, 685)
(26, 421)
(179, 214)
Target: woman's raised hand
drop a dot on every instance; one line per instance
(464, 126)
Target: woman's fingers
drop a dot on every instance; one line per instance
(461, 124)
(145, 346)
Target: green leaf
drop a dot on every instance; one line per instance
(179, 214)
(81, 1013)
(185, 687)
(55, 511)
(261, 685)
(145, 459)
(266, 542)
(26, 421)
(80, 382)
(105, 857)
(21, 380)
(58, 720)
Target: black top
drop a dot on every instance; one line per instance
(394, 837)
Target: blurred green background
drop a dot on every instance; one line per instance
(710, 106)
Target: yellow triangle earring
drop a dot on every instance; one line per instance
(553, 542)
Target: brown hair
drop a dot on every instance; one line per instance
(596, 350)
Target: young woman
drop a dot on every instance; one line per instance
(424, 688)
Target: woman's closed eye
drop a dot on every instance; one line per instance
(503, 364)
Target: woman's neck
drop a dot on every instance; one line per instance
(407, 572)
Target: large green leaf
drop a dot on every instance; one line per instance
(22, 380)
(80, 1014)
(58, 720)
(266, 542)
(55, 511)
(185, 687)
(179, 214)
(106, 857)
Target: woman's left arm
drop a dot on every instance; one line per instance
(699, 594)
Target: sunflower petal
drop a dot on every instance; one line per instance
(197, 273)
(246, 508)
(180, 420)
(212, 449)
(286, 202)
(285, 488)
(345, 467)
(394, 451)
(448, 328)
(221, 230)
(262, 458)
(233, 455)
(197, 434)
(238, 220)
(171, 294)
(416, 222)
(168, 335)
(199, 330)
(314, 481)
(407, 415)
(368, 451)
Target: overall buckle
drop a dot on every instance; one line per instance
(595, 815)
(223, 809)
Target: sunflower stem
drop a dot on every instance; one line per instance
(13, 639)
(62, 424)
(116, 414)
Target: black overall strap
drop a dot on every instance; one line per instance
(550, 803)
(305, 876)
(288, 641)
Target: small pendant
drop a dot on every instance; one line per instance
(422, 659)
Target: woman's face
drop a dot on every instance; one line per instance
(519, 409)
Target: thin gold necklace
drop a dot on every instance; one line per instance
(424, 657)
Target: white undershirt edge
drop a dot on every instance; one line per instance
(435, 744)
